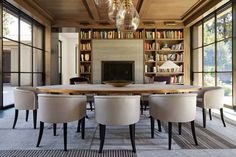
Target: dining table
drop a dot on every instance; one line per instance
(109, 89)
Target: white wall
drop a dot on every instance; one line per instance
(69, 42)
(117, 50)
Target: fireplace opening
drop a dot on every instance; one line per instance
(117, 70)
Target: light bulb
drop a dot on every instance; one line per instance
(127, 18)
(113, 9)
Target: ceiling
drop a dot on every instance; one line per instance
(85, 12)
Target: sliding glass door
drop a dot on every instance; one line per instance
(212, 51)
(22, 52)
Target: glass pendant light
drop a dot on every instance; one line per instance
(127, 18)
(114, 6)
(101, 3)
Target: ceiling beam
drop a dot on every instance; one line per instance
(144, 7)
(92, 9)
(36, 10)
(139, 5)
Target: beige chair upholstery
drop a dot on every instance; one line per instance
(117, 110)
(26, 99)
(211, 98)
(171, 108)
(61, 109)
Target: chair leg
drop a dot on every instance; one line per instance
(15, 119)
(204, 117)
(210, 114)
(35, 118)
(180, 128)
(132, 136)
(222, 116)
(27, 115)
(55, 129)
(102, 133)
(40, 133)
(82, 127)
(152, 126)
(65, 136)
(141, 107)
(193, 132)
(159, 125)
(169, 133)
(91, 105)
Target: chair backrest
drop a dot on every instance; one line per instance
(55, 108)
(25, 98)
(162, 79)
(173, 107)
(204, 89)
(213, 98)
(117, 109)
(79, 80)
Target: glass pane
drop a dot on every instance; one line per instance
(225, 80)
(197, 35)
(10, 56)
(37, 37)
(26, 79)
(10, 81)
(209, 31)
(224, 24)
(197, 79)
(37, 61)
(25, 32)
(10, 25)
(37, 80)
(209, 79)
(209, 58)
(224, 55)
(197, 60)
(26, 58)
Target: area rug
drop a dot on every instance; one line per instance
(70, 153)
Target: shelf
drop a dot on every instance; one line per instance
(85, 50)
(85, 61)
(169, 39)
(150, 61)
(169, 73)
(172, 61)
(85, 39)
(150, 39)
(85, 73)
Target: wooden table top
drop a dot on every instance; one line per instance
(108, 89)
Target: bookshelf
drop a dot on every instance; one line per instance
(85, 57)
(161, 45)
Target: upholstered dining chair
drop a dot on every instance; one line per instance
(165, 79)
(83, 80)
(179, 108)
(26, 99)
(61, 109)
(117, 110)
(211, 98)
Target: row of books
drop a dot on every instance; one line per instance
(86, 35)
(150, 35)
(85, 68)
(177, 79)
(173, 80)
(180, 69)
(172, 57)
(179, 46)
(85, 47)
(169, 34)
(149, 46)
(116, 35)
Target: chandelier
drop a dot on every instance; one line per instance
(124, 14)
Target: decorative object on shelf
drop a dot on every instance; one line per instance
(165, 47)
(118, 83)
(169, 66)
(86, 57)
(101, 3)
(113, 9)
(127, 18)
(82, 57)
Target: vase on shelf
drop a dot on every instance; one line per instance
(82, 57)
(86, 57)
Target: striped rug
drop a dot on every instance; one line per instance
(206, 139)
(70, 153)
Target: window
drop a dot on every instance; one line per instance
(23, 52)
(212, 51)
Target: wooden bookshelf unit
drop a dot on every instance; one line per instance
(159, 46)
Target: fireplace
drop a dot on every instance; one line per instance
(118, 70)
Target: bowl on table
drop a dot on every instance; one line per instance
(118, 83)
